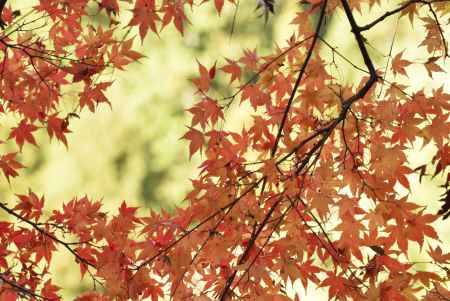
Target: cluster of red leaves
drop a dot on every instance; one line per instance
(61, 44)
(308, 191)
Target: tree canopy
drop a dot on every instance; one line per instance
(313, 188)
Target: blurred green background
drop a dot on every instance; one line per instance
(132, 151)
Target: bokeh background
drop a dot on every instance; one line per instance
(132, 151)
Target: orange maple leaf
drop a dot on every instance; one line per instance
(196, 139)
(23, 133)
(399, 64)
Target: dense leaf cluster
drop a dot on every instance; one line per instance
(307, 190)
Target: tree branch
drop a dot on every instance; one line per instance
(2, 6)
(254, 237)
(49, 235)
(441, 32)
(299, 78)
(23, 291)
(395, 11)
(250, 245)
(228, 207)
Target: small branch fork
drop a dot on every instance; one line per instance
(441, 32)
(325, 132)
(405, 6)
(395, 11)
(264, 68)
(299, 79)
(21, 290)
(253, 238)
(46, 235)
(66, 245)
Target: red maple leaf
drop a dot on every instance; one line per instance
(23, 133)
(9, 165)
(196, 140)
(233, 69)
(399, 64)
(57, 127)
(144, 16)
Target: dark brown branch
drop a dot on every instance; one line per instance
(334, 50)
(250, 245)
(229, 206)
(21, 290)
(395, 11)
(299, 79)
(48, 57)
(2, 6)
(202, 246)
(261, 249)
(294, 90)
(445, 198)
(46, 234)
(333, 255)
(264, 68)
(388, 14)
(441, 32)
(254, 237)
(360, 40)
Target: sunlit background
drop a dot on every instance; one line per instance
(133, 150)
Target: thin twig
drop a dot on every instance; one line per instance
(47, 234)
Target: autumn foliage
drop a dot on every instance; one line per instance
(307, 190)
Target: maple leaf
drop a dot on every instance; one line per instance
(30, 206)
(9, 165)
(125, 221)
(414, 229)
(206, 111)
(174, 11)
(93, 95)
(250, 59)
(255, 95)
(196, 139)
(392, 264)
(153, 290)
(399, 64)
(338, 286)
(437, 293)
(427, 277)
(437, 130)
(49, 291)
(58, 127)
(442, 160)
(144, 16)
(83, 71)
(9, 295)
(410, 11)
(205, 78)
(308, 271)
(88, 254)
(431, 66)
(233, 69)
(23, 133)
(111, 6)
(219, 5)
(123, 55)
(93, 296)
(438, 256)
